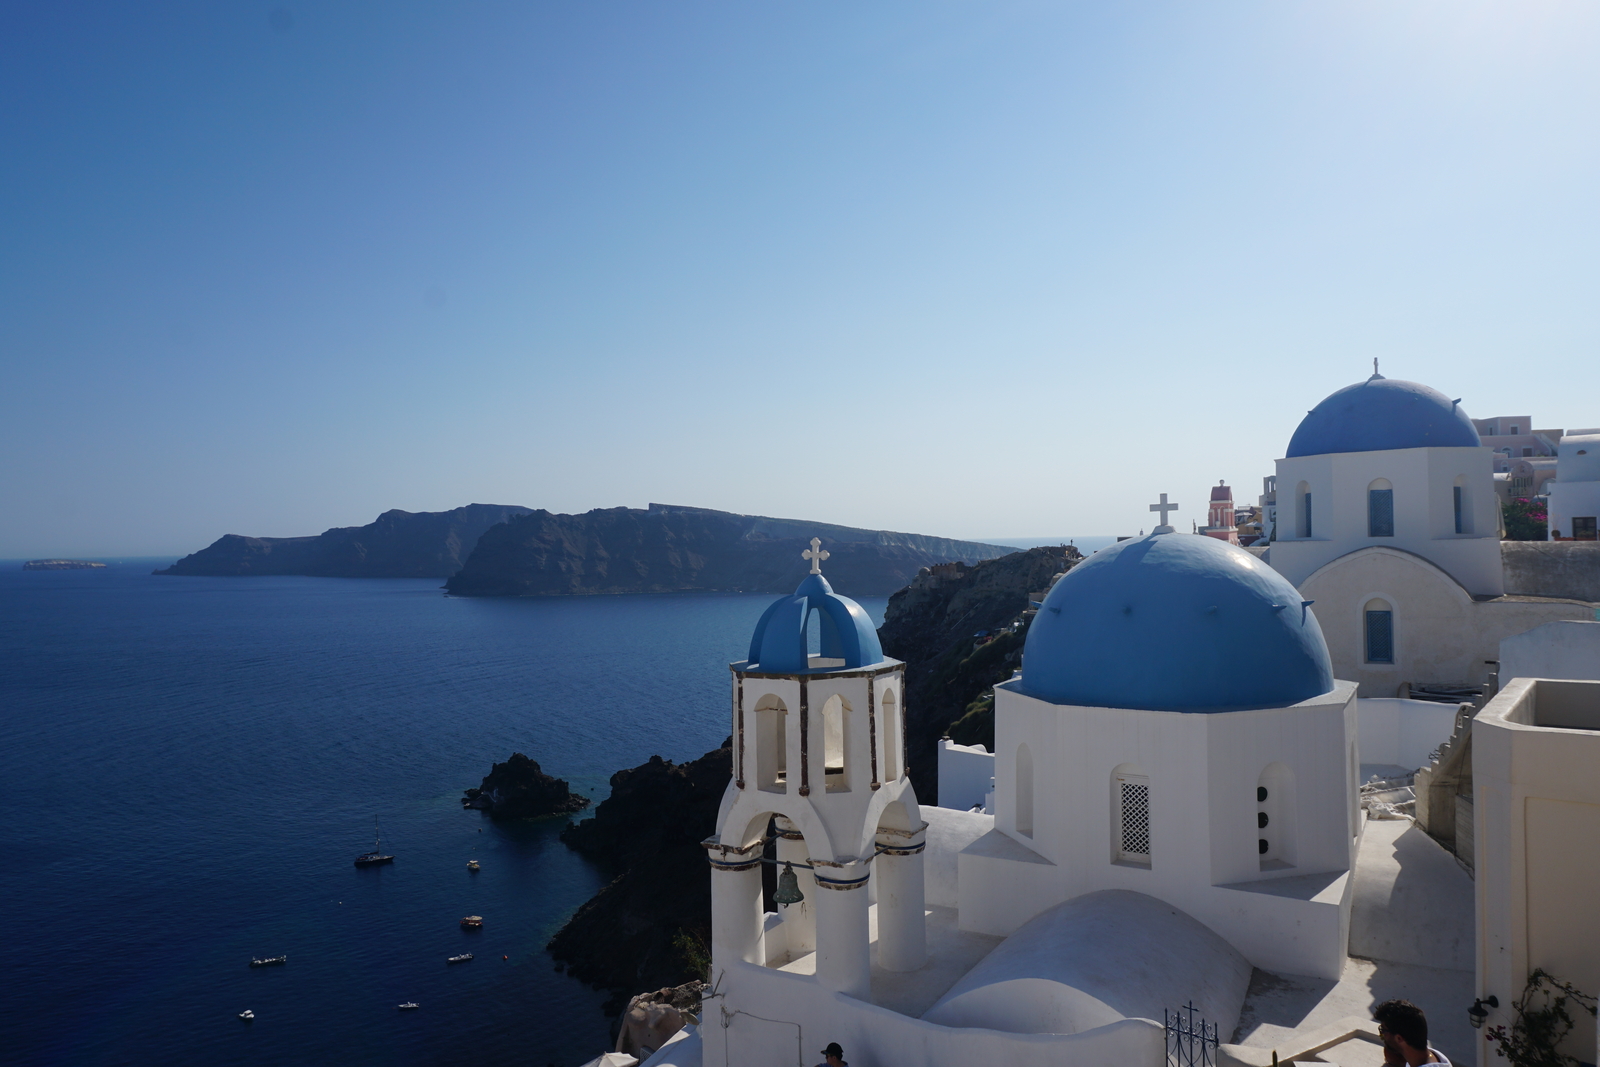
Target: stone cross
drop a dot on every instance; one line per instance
(1374, 366)
(1163, 507)
(816, 554)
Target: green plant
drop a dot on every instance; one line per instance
(1542, 1022)
(693, 952)
(1525, 520)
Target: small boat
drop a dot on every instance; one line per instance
(410, 1005)
(472, 922)
(270, 961)
(472, 865)
(247, 1015)
(463, 958)
(376, 856)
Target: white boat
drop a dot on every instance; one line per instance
(472, 865)
(463, 958)
(270, 961)
(410, 1005)
(247, 1015)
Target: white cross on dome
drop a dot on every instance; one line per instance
(816, 554)
(1163, 507)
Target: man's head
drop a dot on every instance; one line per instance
(833, 1053)
(1402, 1026)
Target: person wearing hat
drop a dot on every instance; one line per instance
(833, 1056)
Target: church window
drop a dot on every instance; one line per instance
(1131, 830)
(1457, 489)
(1275, 813)
(891, 737)
(1302, 511)
(1380, 509)
(835, 727)
(1024, 782)
(1379, 632)
(772, 744)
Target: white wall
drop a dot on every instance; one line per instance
(1537, 844)
(768, 1018)
(1424, 511)
(948, 833)
(965, 775)
(1567, 649)
(1402, 732)
(1204, 770)
(1441, 634)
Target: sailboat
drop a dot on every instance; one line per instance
(376, 856)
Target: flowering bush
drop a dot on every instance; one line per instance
(1525, 520)
(1541, 1024)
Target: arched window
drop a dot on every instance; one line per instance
(1275, 818)
(835, 732)
(1380, 509)
(1379, 631)
(891, 737)
(1024, 779)
(772, 744)
(1130, 815)
(1302, 510)
(1463, 505)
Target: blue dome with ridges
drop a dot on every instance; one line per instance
(1383, 413)
(779, 643)
(1175, 622)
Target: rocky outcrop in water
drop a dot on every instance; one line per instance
(518, 789)
(960, 630)
(651, 926)
(398, 544)
(667, 549)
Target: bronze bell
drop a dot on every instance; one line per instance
(788, 891)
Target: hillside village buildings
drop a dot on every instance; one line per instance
(1198, 816)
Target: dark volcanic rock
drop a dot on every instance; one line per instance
(933, 625)
(518, 789)
(675, 549)
(399, 544)
(651, 927)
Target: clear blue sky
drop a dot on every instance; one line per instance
(965, 269)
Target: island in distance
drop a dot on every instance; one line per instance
(62, 565)
(505, 550)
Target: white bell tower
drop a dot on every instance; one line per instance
(819, 756)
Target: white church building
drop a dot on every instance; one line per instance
(1175, 819)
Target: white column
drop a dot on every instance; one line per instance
(844, 961)
(799, 920)
(902, 925)
(736, 926)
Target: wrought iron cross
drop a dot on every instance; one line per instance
(816, 555)
(1163, 507)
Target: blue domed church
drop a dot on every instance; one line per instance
(1388, 520)
(1175, 804)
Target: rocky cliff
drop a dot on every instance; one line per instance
(518, 789)
(960, 630)
(673, 549)
(651, 926)
(399, 544)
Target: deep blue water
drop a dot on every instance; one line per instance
(188, 766)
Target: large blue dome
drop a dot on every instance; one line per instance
(1383, 413)
(1175, 622)
(779, 643)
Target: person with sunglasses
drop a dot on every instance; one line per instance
(1404, 1030)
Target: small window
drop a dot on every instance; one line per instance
(1380, 636)
(1380, 512)
(1133, 818)
(1024, 783)
(1527, 451)
(1515, 429)
(1457, 489)
(1583, 529)
(1306, 514)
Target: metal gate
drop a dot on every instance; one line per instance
(1191, 1042)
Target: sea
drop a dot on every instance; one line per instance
(188, 767)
